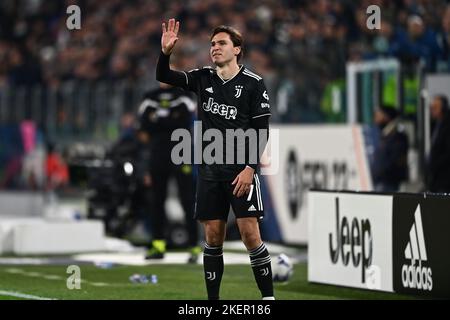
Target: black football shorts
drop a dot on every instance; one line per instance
(213, 200)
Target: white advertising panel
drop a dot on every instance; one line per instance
(350, 241)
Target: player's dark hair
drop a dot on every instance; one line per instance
(235, 36)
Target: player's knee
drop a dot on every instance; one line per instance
(250, 239)
(214, 239)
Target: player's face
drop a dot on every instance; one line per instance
(222, 49)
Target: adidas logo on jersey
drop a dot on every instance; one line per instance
(416, 275)
(229, 112)
(252, 208)
(210, 90)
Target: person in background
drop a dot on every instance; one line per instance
(162, 111)
(390, 166)
(438, 177)
(132, 183)
(57, 172)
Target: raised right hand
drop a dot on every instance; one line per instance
(169, 36)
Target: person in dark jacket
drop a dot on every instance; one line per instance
(438, 175)
(162, 111)
(390, 167)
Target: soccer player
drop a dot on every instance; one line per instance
(229, 97)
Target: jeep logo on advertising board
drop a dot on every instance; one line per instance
(352, 241)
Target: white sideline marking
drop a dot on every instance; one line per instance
(52, 277)
(98, 284)
(137, 259)
(14, 270)
(22, 295)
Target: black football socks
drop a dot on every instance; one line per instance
(260, 261)
(213, 266)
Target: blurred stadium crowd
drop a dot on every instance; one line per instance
(73, 82)
(299, 47)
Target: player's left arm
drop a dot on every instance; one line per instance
(260, 113)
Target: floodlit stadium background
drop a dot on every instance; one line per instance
(326, 72)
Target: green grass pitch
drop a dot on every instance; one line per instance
(175, 282)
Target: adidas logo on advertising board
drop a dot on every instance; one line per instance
(415, 275)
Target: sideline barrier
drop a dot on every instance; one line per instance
(21, 204)
(387, 242)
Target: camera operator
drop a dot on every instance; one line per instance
(131, 177)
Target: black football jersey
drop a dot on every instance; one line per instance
(227, 104)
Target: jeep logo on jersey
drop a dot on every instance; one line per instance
(415, 275)
(229, 112)
(238, 91)
(351, 242)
